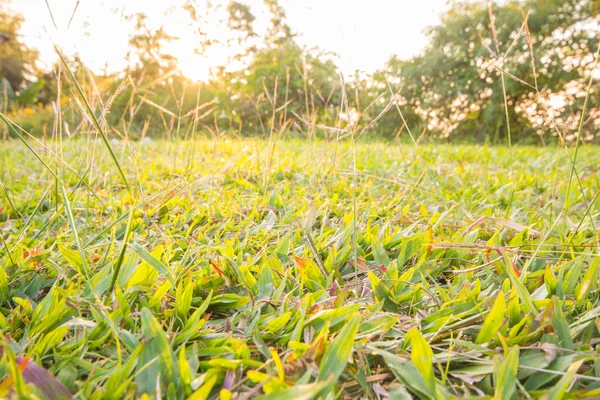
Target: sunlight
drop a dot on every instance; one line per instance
(185, 49)
(329, 180)
(557, 101)
(194, 67)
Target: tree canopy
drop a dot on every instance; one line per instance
(17, 60)
(543, 50)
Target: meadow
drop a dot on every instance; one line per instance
(298, 269)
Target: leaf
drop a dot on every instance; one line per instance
(337, 354)
(589, 280)
(204, 391)
(561, 387)
(228, 301)
(184, 368)
(379, 254)
(333, 317)
(539, 379)
(30, 94)
(505, 374)
(382, 293)
(278, 323)
(153, 261)
(271, 384)
(311, 218)
(72, 256)
(183, 298)
(277, 362)
(493, 321)
(194, 323)
(561, 326)
(42, 379)
(422, 356)
(156, 356)
(406, 372)
(521, 290)
(550, 280)
(4, 291)
(300, 392)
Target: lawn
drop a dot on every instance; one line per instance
(306, 269)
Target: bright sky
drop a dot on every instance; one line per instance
(363, 33)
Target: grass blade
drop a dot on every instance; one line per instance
(94, 119)
(337, 354)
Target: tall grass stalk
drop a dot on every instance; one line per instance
(92, 115)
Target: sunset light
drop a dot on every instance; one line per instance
(194, 67)
(299, 199)
(328, 24)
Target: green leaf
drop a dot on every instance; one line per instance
(422, 356)
(204, 391)
(337, 354)
(379, 254)
(183, 298)
(505, 374)
(560, 325)
(300, 392)
(561, 387)
(278, 323)
(406, 372)
(589, 281)
(493, 321)
(30, 94)
(382, 293)
(156, 356)
(184, 368)
(521, 290)
(153, 262)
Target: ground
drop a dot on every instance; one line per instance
(300, 269)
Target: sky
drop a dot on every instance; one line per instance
(363, 33)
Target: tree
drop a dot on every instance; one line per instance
(241, 19)
(279, 32)
(455, 86)
(148, 46)
(17, 60)
(279, 74)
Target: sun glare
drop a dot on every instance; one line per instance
(194, 67)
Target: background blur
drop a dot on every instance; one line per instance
(434, 70)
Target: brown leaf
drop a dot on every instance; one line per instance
(43, 380)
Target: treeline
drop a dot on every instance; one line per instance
(522, 67)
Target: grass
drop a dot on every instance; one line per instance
(260, 269)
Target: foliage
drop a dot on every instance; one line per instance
(201, 268)
(543, 49)
(521, 66)
(302, 85)
(17, 60)
(235, 279)
(156, 100)
(148, 47)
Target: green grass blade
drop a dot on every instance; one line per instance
(339, 351)
(71, 220)
(493, 321)
(117, 267)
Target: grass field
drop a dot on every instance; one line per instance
(301, 270)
